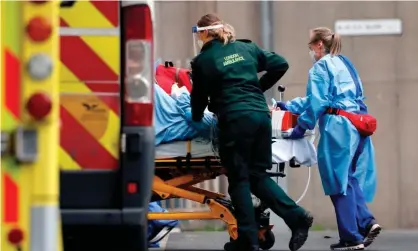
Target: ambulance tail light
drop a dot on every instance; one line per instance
(39, 105)
(15, 236)
(139, 75)
(39, 29)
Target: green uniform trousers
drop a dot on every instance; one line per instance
(245, 151)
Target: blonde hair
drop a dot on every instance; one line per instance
(331, 40)
(225, 34)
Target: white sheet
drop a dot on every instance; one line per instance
(303, 150)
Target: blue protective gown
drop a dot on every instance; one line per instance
(331, 85)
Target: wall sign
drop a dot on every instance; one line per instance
(368, 27)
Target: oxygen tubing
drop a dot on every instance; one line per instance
(306, 187)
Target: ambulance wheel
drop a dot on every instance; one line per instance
(268, 241)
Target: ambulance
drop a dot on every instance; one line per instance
(106, 150)
(29, 126)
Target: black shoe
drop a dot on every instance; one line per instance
(373, 231)
(347, 246)
(300, 234)
(231, 246)
(234, 246)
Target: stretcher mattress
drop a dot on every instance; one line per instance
(303, 150)
(197, 148)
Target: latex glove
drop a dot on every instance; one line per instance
(297, 133)
(281, 105)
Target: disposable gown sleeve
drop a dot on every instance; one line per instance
(317, 96)
(199, 93)
(274, 65)
(297, 105)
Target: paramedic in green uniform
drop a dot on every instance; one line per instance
(225, 71)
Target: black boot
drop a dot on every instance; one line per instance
(345, 246)
(235, 246)
(300, 233)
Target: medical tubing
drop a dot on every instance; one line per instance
(306, 187)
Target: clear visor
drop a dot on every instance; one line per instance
(197, 43)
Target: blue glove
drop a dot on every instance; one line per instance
(282, 105)
(188, 115)
(297, 133)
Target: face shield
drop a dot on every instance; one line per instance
(197, 43)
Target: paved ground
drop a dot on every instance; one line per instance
(318, 241)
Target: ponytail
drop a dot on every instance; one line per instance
(332, 41)
(336, 44)
(226, 34)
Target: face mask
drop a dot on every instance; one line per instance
(200, 43)
(312, 55)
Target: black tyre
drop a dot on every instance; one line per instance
(268, 241)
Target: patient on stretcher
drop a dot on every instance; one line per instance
(173, 118)
(177, 135)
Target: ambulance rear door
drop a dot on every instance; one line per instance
(107, 137)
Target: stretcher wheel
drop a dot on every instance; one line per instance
(268, 241)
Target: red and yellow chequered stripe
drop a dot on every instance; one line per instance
(89, 73)
(15, 183)
(10, 106)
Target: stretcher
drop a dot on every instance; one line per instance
(181, 165)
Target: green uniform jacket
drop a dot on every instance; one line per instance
(227, 75)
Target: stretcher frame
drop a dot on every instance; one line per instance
(187, 172)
